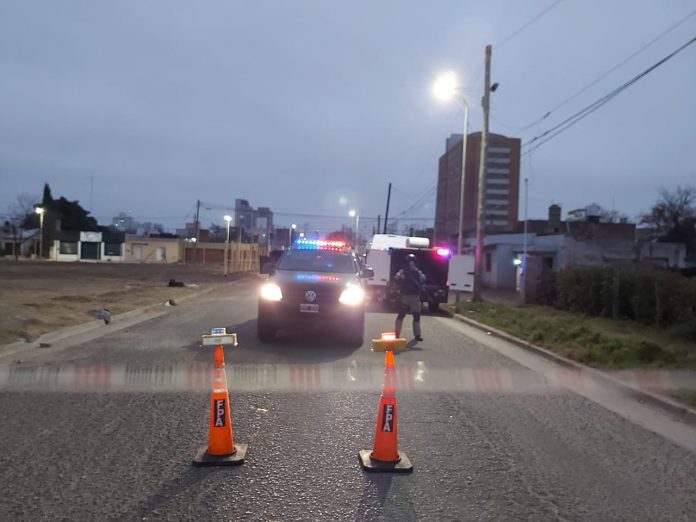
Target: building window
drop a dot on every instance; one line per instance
(492, 203)
(495, 181)
(112, 249)
(502, 150)
(497, 170)
(489, 261)
(68, 248)
(497, 192)
(499, 161)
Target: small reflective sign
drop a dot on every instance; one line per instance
(218, 331)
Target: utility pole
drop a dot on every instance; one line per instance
(482, 180)
(379, 224)
(524, 248)
(386, 214)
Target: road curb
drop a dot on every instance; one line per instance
(83, 328)
(684, 412)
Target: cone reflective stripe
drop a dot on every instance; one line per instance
(385, 454)
(385, 448)
(220, 435)
(221, 449)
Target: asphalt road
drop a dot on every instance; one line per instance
(106, 430)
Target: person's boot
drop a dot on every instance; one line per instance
(417, 331)
(397, 327)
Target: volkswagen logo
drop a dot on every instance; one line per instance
(310, 295)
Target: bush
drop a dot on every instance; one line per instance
(646, 295)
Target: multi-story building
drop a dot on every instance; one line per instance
(124, 222)
(501, 191)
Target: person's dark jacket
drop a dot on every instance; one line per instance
(410, 281)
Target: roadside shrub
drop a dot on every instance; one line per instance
(646, 295)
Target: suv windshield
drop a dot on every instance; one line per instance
(318, 261)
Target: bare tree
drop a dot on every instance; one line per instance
(612, 216)
(21, 212)
(673, 208)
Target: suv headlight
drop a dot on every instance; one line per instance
(353, 295)
(271, 292)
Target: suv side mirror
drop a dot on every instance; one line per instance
(268, 268)
(367, 273)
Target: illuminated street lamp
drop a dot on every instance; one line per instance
(228, 218)
(354, 213)
(40, 211)
(292, 227)
(446, 88)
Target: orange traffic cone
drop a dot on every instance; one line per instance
(385, 455)
(221, 449)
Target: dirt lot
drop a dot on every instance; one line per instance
(39, 297)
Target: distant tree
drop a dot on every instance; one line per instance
(673, 208)
(612, 216)
(218, 232)
(22, 217)
(673, 216)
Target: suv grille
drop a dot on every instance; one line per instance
(296, 294)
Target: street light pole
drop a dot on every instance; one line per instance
(356, 235)
(40, 211)
(292, 227)
(446, 88)
(227, 241)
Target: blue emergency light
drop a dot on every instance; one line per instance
(319, 244)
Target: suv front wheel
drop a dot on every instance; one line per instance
(355, 333)
(265, 331)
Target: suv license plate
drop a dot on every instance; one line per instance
(309, 308)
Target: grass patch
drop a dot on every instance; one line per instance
(597, 342)
(687, 397)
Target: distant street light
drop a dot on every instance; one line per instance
(292, 227)
(40, 211)
(228, 218)
(445, 89)
(354, 213)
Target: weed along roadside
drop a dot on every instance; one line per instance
(596, 342)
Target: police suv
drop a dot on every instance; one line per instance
(316, 284)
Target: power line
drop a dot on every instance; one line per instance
(423, 197)
(527, 24)
(582, 114)
(606, 73)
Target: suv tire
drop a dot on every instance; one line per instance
(265, 331)
(355, 334)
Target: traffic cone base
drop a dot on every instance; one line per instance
(203, 458)
(403, 465)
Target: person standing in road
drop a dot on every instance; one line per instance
(411, 281)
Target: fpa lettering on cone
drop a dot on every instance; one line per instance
(221, 449)
(385, 455)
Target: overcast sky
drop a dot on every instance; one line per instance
(297, 104)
